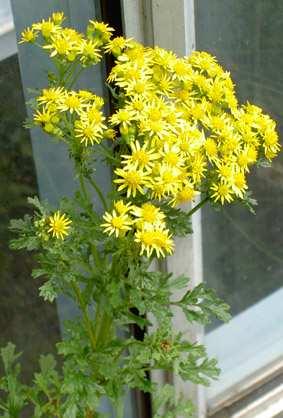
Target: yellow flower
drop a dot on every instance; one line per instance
(171, 155)
(142, 157)
(180, 69)
(225, 170)
(93, 115)
(51, 96)
(46, 27)
(64, 43)
(222, 192)
(122, 117)
(185, 194)
(88, 132)
(43, 116)
(89, 96)
(122, 207)
(59, 225)
(271, 141)
(243, 161)
(154, 239)
(117, 224)
(239, 184)
(157, 190)
(88, 49)
(71, 102)
(99, 30)
(133, 180)
(148, 214)
(210, 147)
(163, 57)
(58, 17)
(28, 36)
(117, 45)
(197, 168)
(142, 86)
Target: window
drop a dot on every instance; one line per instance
(242, 253)
(24, 318)
(34, 165)
(237, 253)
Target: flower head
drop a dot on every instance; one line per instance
(28, 36)
(115, 223)
(154, 239)
(59, 225)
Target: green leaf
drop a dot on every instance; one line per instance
(201, 304)
(48, 292)
(178, 221)
(37, 204)
(200, 372)
(47, 363)
(9, 356)
(71, 410)
(166, 404)
(179, 282)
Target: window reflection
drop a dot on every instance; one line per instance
(243, 253)
(25, 319)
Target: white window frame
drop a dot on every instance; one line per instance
(8, 44)
(171, 24)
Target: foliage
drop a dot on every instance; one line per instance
(177, 130)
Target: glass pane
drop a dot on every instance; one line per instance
(43, 169)
(243, 253)
(24, 318)
(6, 17)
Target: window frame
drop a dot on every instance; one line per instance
(172, 25)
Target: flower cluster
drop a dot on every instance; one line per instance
(147, 222)
(71, 115)
(66, 44)
(185, 130)
(182, 130)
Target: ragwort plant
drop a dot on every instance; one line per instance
(177, 133)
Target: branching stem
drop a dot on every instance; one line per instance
(87, 320)
(98, 191)
(198, 206)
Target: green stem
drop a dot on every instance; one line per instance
(107, 154)
(98, 191)
(98, 320)
(76, 76)
(69, 73)
(83, 188)
(198, 206)
(103, 324)
(95, 255)
(120, 408)
(87, 320)
(64, 73)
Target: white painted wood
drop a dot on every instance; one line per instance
(8, 43)
(268, 406)
(133, 19)
(173, 28)
(241, 351)
(170, 24)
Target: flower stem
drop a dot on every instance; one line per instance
(198, 206)
(85, 313)
(76, 76)
(120, 408)
(98, 191)
(84, 190)
(107, 153)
